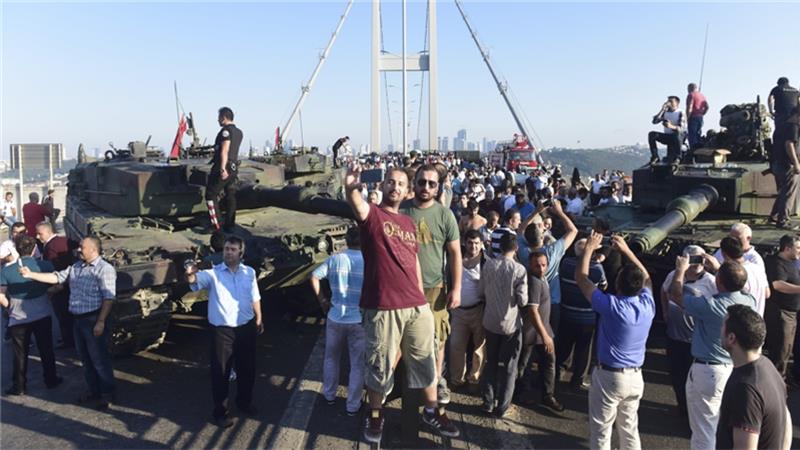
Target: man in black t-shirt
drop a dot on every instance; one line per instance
(224, 167)
(780, 312)
(783, 101)
(336, 146)
(753, 413)
(784, 107)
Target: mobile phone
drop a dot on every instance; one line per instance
(606, 242)
(372, 176)
(696, 259)
(547, 202)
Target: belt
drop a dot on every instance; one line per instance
(708, 363)
(82, 315)
(617, 369)
(464, 308)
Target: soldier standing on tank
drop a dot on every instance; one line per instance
(336, 146)
(224, 168)
(784, 103)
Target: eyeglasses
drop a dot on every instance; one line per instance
(429, 183)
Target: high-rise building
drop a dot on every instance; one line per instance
(471, 146)
(390, 148)
(483, 145)
(417, 144)
(445, 146)
(462, 134)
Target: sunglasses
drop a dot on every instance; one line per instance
(429, 183)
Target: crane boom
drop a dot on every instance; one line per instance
(501, 86)
(307, 88)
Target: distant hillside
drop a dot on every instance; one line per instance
(591, 161)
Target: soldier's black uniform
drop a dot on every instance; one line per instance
(216, 184)
(336, 146)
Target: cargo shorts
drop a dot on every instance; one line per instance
(437, 299)
(409, 330)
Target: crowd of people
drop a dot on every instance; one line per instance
(504, 282)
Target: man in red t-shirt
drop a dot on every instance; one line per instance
(34, 213)
(696, 108)
(396, 314)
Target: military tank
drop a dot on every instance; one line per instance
(698, 200)
(151, 217)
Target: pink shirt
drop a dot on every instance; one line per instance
(698, 100)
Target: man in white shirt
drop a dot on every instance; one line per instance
(743, 233)
(9, 209)
(674, 122)
(757, 284)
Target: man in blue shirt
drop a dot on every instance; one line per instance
(234, 312)
(625, 320)
(712, 363)
(345, 274)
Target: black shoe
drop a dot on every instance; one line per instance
(87, 398)
(487, 408)
(353, 413)
(249, 410)
(653, 160)
(14, 390)
(55, 383)
(104, 401)
(787, 225)
(223, 421)
(552, 404)
(330, 402)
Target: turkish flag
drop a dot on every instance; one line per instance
(176, 145)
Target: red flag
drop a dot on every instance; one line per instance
(176, 145)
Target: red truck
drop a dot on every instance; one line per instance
(514, 154)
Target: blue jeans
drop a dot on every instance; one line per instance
(94, 355)
(695, 128)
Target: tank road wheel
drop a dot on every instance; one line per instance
(139, 322)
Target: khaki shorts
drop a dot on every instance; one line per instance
(409, 330)
(441, 317)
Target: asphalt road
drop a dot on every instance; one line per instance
(164, 401)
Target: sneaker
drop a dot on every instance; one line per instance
(14, 390)
(55, 383)
(504, 413)
(353, 413)
(373, 429)
(552, 404)
(486, 407)
(104, 401)
(439, 421)
(653, 160)
(443, 394)
(223, 420)
(330, 402)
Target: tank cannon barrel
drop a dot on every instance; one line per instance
(679, 212)
(293, 197)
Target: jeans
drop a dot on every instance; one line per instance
(500, 373)
(670, 140)
(580, 337)
(614, 399)
(229, 346)
(781, 329)
(704, 390)
(694, 131)
(21, 338)
(466, 324)
(60, 302)
(94, 355)
(337, 335)
(679, 358)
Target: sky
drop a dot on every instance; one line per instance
(586, 75)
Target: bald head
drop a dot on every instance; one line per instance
(743, 233)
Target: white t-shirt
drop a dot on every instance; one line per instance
(8, 208)
(575, 206)
(756, 285)
(596, 185)
(751, 256)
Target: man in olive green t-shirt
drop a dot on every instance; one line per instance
(437, 234)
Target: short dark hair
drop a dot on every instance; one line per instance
(217, 240)
(601, 224)
(509, 214)
(692, 87)
(236, 240)
(24, 244)
(533, 235)
(674, 97)
(748, 327)
(508, 242)
(783, 81)
(472, 204)
(631, 280)
(732, 276)
(353, 237)
(538, 254)
(787, 240)
(97, 243)
(472, 234)
(19, 226)
(731, 247)
(226, 113)
(428, 168)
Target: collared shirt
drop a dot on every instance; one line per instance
(623, 327)
(708, 314)
(504, 287)
(345, 273)
(750, 256)
(89, 284)
(230, 294)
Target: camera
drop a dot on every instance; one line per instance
(696, 259)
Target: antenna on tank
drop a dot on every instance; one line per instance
(703, 61)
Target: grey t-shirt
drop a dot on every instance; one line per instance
(539, 294)
(504, 287)
(29, 310)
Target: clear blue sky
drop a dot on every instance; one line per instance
(587, 74)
